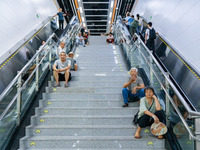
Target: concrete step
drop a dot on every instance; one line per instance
(103, 142)
(100, 64)
(89, 149)
(100, 73)
(116, 68)
(84, 130)
(112, 103)
(68, 96)
(81, 90)
(82, 120)
(89, 84)
(85, 111)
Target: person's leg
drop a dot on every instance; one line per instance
(66, 78)
(56, 76)
(83, 42)
(140, 93)
(59, 24)
(107, 40)
(125, 93)
(75, 67)
(142, 123)
(62, 24)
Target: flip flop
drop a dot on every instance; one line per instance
(56, 85)
(66, 85)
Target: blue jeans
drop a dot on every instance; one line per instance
(128, 95)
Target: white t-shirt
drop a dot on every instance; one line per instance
(60, 65)
(110, 37)
(59, 50)
(79, 38)
(127, 18)
(147, 32)
(140, 21)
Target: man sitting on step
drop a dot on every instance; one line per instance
(61, 69)
(135, 87)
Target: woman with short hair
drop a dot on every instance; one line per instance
(149, 111)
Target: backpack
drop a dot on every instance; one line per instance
(134, 24)
(152, 34)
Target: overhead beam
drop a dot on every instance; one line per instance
(78, 12)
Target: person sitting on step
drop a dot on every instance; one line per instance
(110, 38)
(135, 87)
(60, 49)
(80, 40)
(147, 117)
(61, 69)
(74, 66)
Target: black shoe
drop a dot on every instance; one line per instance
(125, 105)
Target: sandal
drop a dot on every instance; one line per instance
(56, 85)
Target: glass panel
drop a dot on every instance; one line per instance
(96, 27)
(180, 134)
(95, 6)
(97, 18)
(7, 125)
(95, 0)
(99, 12)
(97, 23)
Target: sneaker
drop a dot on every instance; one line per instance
(66, 85)
(125, 105)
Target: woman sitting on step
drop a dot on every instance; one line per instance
(148, 114)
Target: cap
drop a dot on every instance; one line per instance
(71, 53)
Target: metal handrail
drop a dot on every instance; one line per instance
(170, 82)
(21, 72)
(7, 89)
(192, 136)
(169, 97)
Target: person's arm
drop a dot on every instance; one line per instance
(157, 103)
(146, 34)
(55, 15)
(66, 68)
(54, 68)
(126, 84)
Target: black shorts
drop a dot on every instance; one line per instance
(62, 77)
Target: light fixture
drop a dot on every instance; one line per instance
(109, 22)
(110, 14)
(83, 19)
(79, 0)
(84, 24)
(81, 10)
(112, 3)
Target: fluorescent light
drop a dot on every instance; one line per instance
(83, 19)
(110, 14)
(112, 3)
(79, 0)
(109, 22)
(81, 10)
(84, 24)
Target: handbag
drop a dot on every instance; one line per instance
(135, 119)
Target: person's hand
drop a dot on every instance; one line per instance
(59, 70)
(156, 120)
(134, 90)
(154, 97)
(56, 70)
(145, 42)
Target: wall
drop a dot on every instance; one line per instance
(178, 21)
(20, 17)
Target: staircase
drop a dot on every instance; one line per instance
(88, 115)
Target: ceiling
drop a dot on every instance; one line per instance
(96, 14)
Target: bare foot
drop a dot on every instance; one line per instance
(160, 137)
(137, 135)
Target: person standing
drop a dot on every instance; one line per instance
(150, 36)
(61, 18)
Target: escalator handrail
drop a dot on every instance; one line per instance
(23, 69)
(192, 112)
(7, 89)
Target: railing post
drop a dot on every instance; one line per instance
(50, 53)
(37, 73)
(150, 71)
(19, 98)
(167, 102)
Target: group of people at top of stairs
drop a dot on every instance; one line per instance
(82, 37)
(135, 25)
(149, 109)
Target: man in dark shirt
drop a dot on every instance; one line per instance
(61, 18)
